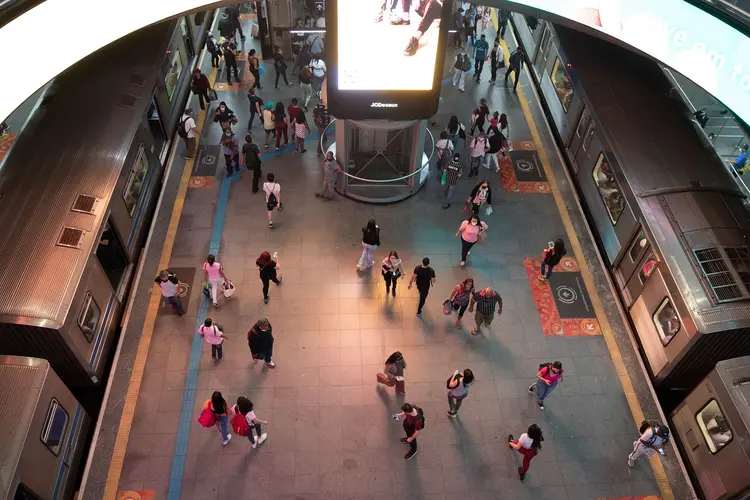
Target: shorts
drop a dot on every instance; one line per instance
(484, 318)
(270, 130)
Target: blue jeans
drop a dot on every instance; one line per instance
(476, 163)
(223, 422)
(543, 390)
(250, 436)
(548, 270)
(176, 304)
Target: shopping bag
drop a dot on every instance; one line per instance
(447, 307)
(444, 178)
(467, 208)
(489, 210)
(385, 380)
(261, 70)
(212, 95)
(207, 418)
(482, 236)
(207, 289)
(229, 289)
(254, 30)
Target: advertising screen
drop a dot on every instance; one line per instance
(705, 49)
(388, 57)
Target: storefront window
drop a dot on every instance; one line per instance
(667, 322)
(562, 84)
(609, 189)
(714, 426)
(135, 183)
(647, 268)
(640, 243)
(173, 73)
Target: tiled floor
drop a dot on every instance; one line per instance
(330, 434)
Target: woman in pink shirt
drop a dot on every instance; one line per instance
(214, 336)
(469, 232)
(547, 378)
(213, 272)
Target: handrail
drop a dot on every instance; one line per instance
(425, 165)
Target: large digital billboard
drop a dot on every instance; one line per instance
(386, 57)
(711, 53)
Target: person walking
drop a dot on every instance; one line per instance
(200, 86)
(444, 149)
(301, 131)
(473, 121)
(459, 298)
(188, 131)
(470, 231)
(503, 22)
(233, 14)
(245, 409)
(230, 147)
(213, 48)
(281, 123)
(268, 267)
(481, 194)
(256, 108)
(251, 160)
(260, 341)
(330, 171)
(461, 65)
(321, 118)
(456, 131)
(370, 241)
(293, 111)
(528, 444)
(253, 65)
(224, 116)
(485, 301)
(458, 388)
(480, 56)
(497, 61)
(477, 149)
(495, 143)
(504, 128)
(458, 27)
(547, 378)
(269, 123)
(272, 190)
(452, 171)
(226, 27)
(424, 275)
(218, 406)
(230, 61)
(213, 273)
(413, 424)
(484, 113)
(305, 84)
(551, 257)
(318, 68)
(170, 286)
(393, 374)
(515, 64)
(652, 439)
(392, 270)
(279, 65)
(214, 336)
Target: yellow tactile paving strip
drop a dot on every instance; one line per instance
(139, 366)
(614, 351)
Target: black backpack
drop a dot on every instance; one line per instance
(420, 415)
(660, 430)
(181, 128)
(448, 383)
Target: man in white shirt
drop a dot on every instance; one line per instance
(320, 22)
(170, 288)
(189, 132)
(318, 68)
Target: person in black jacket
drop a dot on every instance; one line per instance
(481, 193)
(260, 342)
(496, 140)
(200, 86)
(213, 48)
(227, 28)
(279, 64)
(515, 64)
(233, 14)
(370, 241)
(551, 257)
(230, 59)
(224, 116)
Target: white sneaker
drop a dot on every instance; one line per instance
(229, 438)
(262, 438)
(255, 444)
(271, 364)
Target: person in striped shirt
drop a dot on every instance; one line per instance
(453, 170)
(485, 301)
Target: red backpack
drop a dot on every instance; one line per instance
(240, 425)
(207, 418)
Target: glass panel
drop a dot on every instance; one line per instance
(173, 73)
(53, 431)
(714, 426)
(583, 122)
(640, 243)
(589, 135)
(88, 320)
(647, 268)
(609, 189)
(561, 82)
(667, 322)
(136, 181)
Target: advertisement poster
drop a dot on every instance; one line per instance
(708, 51)
(387, 44)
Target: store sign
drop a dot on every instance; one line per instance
(708, 51)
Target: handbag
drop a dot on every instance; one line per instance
(212, 95)
(447, 307)
(467, 208)
(207, 418)
(229, 289)
(482, 236)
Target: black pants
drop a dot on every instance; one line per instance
(253, 114)
(409, 433)
(325, 139)
(266, 282)
(465, 247)
(390, 279)
(517, 75)
(232, 66)
(281, 73)
(238, 27)
(216, 351)
(214, 59)
(256, 177)
(504, 24)
(433, 12)
(493, 70)
(203, 98)
(461, 309)
(256, 75)
(423, 292)
(478, 67)
(233, 163)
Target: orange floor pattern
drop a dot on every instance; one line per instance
(510, 182)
